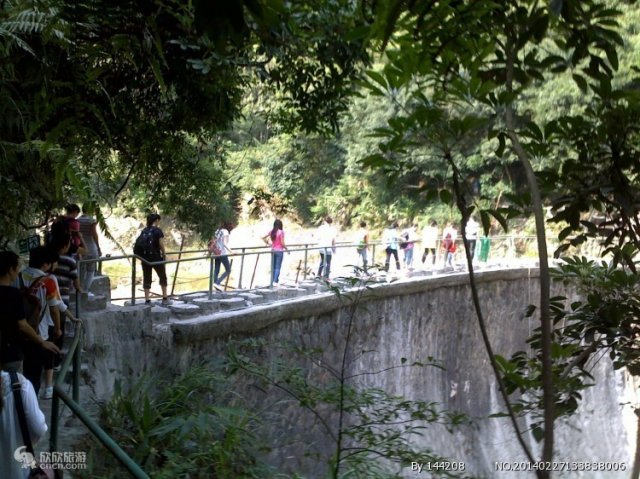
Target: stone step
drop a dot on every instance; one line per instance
(208, 305)
(184, 310)
(269, 295)
(252, 298)
(287, 293)
(193, 296)
(231, 304)
(160, 314)
(309, 286)
(95, 303)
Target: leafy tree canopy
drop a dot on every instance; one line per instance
(98, 96)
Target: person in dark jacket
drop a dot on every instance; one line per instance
(154, 253)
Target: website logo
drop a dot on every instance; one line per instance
(24, 457)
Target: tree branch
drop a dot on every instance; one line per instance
(126, 180)
(476, 303)
(545, 281)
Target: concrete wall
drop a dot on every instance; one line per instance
(412, 319)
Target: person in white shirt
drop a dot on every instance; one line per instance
(10, 433)
(472, 229)
(41, 260)
(222, 241)
(430, 241)
(327, 243)
(89, 233)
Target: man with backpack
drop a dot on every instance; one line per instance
(40, 284)
(14, 328)
(150, 247)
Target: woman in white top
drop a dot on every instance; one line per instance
(222, 243)
(430, 241)
(89, 233)
(11, 436)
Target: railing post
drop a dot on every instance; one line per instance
(373, 254)
(210, 277)
(306, 254)
(80, 271)
(55, 420)
(133, 281)
(241, 269)
(77, 364)
(273, 260)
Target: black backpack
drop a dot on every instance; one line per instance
(145, 244)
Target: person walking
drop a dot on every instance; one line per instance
(11, 436)
(430, 240)
(472, 229)
(449, 237)
(327, 243)
(150, 247)
(89, 233)
(362, 244)
(221, 239)
(409, 238)
(390, 241)
(15, 331)
(275, 238)
(44, 286)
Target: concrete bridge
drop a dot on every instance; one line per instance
(412, 318)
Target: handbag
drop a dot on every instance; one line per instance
(36, 472)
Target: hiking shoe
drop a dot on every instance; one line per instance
(166, 302)
(47, 393)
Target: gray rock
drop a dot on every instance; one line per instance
(268, 294)
(286, 293)
(230, 304)
(309, 286)
(193, 296)
(182, 310)
(253, 298)
(95, 303)
(207, 305)
(160, 314)
(101, 286)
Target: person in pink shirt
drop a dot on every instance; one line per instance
(276, 239)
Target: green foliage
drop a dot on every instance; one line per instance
(111, 95)
(598, 175)
(470, 71)
(603, 322)
(180, 427)
(607, 318)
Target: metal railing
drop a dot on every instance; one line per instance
(73, 403)
(503, 246)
